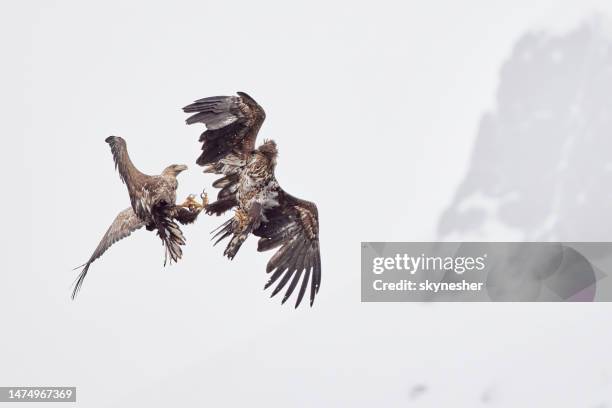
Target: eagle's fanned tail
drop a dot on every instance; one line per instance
(171, 236)
(242, 228)
(223, 231)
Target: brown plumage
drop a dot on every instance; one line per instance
(248, 184)
(153, 205)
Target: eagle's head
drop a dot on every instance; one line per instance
(174, 170)
(269, 150)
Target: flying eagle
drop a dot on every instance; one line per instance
(248, 184)
(153, 205)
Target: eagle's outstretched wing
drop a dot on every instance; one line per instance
(232, 124)
(124, 224)
(293, 226)
(140, 197)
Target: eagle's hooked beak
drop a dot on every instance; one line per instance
(180, 168)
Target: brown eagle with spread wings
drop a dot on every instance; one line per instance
(153, 200)
(248, 184)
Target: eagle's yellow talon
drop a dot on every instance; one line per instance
(191, 203)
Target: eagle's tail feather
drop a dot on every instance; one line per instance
(172, 238)
(246, 222)
(235, 244)
(223, 231)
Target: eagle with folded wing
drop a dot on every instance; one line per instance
(249, 186)
(153, 205)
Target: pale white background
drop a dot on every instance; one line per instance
(375, 107)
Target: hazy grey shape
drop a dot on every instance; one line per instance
(542, 164)
(488, 395)
(417, 391)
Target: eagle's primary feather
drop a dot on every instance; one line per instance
(124, 224)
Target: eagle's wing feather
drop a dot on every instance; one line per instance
(293, 226)
(232, 124)
(124, 224)
(141, 187)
